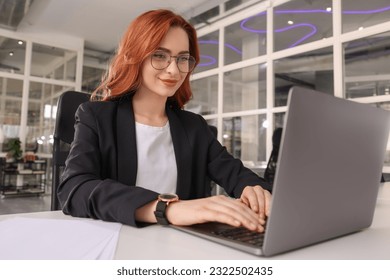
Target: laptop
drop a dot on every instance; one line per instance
(327, 179)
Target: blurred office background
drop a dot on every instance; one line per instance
(252, 52)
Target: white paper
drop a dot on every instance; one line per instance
(52, 239)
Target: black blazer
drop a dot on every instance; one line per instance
(101, 169)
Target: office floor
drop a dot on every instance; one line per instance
(13, 205)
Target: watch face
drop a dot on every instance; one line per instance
(168, 197)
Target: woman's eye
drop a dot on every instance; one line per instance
(161, 56)
(183, 58)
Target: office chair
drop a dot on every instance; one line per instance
(269, 173)
(67, 105)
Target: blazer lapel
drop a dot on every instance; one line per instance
(127, 148)
(126, 143)
(181, 146)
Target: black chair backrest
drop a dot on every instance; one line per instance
(269, 173)
(67, 105)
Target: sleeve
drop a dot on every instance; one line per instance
(229, 172)
(85, 190)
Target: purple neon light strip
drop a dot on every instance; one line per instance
(211, 61)
(301, 11)
(351, 12)
(311, 33)
(213, 42)
(367, 12)
(313, 27)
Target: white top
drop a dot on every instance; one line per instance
(157, 168)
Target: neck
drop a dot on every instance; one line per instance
(149, 110)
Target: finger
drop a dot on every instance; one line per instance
(244, 200)
(247, 216)
(255, 197)
(264, 200)
(231, 211)
(249, 197)
(268, 198)
(261, 201)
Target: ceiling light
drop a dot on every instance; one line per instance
(20, 42)
(329, 9)
(361, 28)
(290, 22)
(11, 53)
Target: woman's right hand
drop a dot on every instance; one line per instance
(214, 209)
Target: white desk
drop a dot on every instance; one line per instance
(158, 243)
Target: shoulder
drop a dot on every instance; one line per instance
(97, 107)
(97, 113)
(109, 106)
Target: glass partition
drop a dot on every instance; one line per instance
(246, 39)
(310, 69)
(359, 14)
(299, 22)
(91, 78)
(205, 96)
(12, 55)
(279, 120)
(42, 110)
(245, 138)
(52, 62)
(385, 106)
(366, 66)
(10, 107)
(245, 89)
(209, 54)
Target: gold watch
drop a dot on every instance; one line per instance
(163, 201)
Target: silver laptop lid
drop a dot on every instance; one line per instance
(329, 167)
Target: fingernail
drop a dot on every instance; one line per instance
(260, 229)
(262, 216)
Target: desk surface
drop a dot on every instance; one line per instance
(158, 243)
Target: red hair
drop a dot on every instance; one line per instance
(141, 39)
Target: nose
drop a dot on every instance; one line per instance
(172, 67)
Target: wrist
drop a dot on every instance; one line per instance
(171, 212)
(164, 202)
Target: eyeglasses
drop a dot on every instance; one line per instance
(161, 60)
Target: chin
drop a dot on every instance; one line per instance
(169, 93)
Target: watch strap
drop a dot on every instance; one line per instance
(160, 213)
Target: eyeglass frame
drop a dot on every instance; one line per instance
(176, 57)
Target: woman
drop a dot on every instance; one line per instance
(138, 142)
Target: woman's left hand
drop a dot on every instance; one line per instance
(258, 199)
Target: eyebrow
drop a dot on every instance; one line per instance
(169, 51)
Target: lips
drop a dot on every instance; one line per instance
(168, 82)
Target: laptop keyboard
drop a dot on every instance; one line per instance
(242, 235)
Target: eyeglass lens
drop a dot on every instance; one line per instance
(161, 60)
